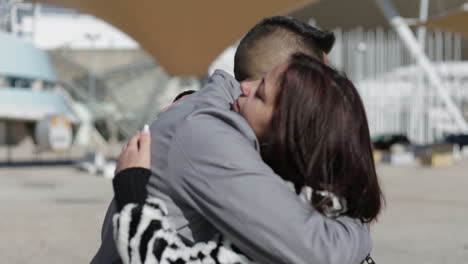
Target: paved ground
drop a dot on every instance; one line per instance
(426, 216)
(54, 215)
(50, 215)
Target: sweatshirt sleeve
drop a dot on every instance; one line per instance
(143, 234)
(142, 230)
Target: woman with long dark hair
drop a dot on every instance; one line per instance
(320, 138)
(313, 132)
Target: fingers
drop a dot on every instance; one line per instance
(133, 143)
(124, 147)
(137, 152)
(145, 141)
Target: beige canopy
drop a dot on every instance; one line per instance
(184, 36)
(454, 21)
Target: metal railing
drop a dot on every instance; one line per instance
(397, 95)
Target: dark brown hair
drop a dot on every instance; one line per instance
(321, 138)
(182, 94)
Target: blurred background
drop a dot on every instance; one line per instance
(78, 77)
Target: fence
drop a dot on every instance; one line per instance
(397, 96)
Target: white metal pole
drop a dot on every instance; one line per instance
(14, 19)
(405, 33)
(37, 16)
(92, 37)
(423, 13)
(419, 103)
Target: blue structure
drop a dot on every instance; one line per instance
(21, 107)
(20, 59)
(29, 105)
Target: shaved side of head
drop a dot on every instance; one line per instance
(273, 49)
(273, 41)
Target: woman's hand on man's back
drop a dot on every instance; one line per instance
(137, 152)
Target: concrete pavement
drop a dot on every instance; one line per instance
(54, 215)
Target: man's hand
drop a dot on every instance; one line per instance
(137, 152)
